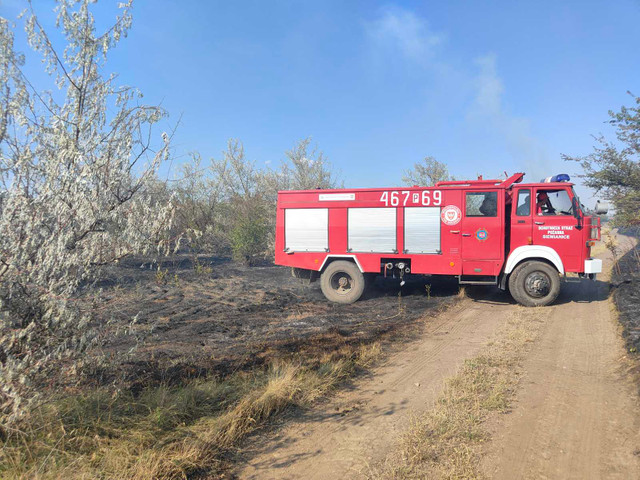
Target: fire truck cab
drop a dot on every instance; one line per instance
(518, 236)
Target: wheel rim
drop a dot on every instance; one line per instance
(341, 283)
(537, 284)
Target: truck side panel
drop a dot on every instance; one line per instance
(352, 216)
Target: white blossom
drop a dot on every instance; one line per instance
(77, 166)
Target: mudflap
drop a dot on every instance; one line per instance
(502, 281)
(305, 276)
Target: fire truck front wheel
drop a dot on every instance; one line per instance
(534, 284)
(342, 282)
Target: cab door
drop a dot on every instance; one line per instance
(521, 218)
(482, 232)
(555, 226)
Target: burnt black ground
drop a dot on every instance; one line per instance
(626, 293)
(191, 322)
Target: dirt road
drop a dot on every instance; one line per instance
(575, 414)
(358, 427)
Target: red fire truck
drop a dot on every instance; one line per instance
(519, 236)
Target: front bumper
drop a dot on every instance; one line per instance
(593, 265)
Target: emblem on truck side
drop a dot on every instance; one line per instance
(451, 215)
(482, 234)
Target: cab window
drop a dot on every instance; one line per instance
(523, 208)
(481, 204)
(553, 202)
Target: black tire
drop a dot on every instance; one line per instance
(534, 284)
(342, 282)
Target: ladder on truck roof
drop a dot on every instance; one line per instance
(515, 178)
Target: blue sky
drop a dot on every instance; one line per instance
(482, 86)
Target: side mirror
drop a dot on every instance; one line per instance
(576, 212)
(601, 208)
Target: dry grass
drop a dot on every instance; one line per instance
(446, 442)
(167, 432)
(601, 247)
(613, 243)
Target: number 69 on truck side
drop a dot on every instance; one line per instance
(518, 236)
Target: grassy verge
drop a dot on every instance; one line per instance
(446, 442)
(165, 432)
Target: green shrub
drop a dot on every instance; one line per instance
(249, 239)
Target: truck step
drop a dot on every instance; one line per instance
(477, 280)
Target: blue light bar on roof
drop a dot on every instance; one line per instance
(561, 177)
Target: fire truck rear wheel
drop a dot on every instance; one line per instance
(534, 284)
(342, 282)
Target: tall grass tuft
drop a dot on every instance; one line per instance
(166, 432)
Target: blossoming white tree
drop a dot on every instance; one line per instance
(76, 167)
